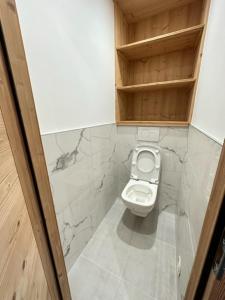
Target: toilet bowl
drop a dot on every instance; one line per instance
(140, 193)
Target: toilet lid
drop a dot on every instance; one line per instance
(146, 164)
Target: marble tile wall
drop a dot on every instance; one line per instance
(198, 173)
(83, 176)
(173, 143)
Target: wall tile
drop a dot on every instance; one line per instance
(82, 168)
(198, 173)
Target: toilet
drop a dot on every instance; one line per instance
(140, 193)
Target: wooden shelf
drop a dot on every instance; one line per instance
(157, 85)
(135, 11)
(159, 45)
(154, 123)
(181, 39)
(165, 105)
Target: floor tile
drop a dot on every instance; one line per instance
(115, 213)
(127, 291)
(151, 267)
(128, 258)
(157, 225)
(89, 282)
(108, 251)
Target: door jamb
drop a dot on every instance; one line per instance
(210, 221)
(49, 240)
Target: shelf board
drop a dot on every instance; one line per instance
(154, 123)
(157, 85)
(178, 40)
(139, 10)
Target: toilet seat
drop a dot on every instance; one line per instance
(146, 164)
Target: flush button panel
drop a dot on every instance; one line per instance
(148, 134)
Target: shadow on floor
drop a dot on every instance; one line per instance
(137, 231)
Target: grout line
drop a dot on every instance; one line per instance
(100, 266)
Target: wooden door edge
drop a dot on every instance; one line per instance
(214, 206)
(16, 142)
(19, 71)
(214, 287)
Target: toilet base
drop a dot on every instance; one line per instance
(139, 214)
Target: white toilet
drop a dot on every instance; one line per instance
(140, 193)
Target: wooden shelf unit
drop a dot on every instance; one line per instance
(158, 52)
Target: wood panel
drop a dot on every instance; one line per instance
(168, 21)
(170, 66)
(157, 85)
(121, 27)
(215, 288)
(198, 57)
(21, 271)
(161, 105)
(135, 10)
(121, 38)
(23, 90)
(154, 123)
(122, 69)
(182, 39)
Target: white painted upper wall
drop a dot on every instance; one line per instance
(70, 52)
(209, 110)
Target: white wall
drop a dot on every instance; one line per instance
(209, 111)
(70, 53)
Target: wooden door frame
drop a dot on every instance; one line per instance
(214, 286)
(209, 225)
(23, 130)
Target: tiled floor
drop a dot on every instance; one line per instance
(128, 258)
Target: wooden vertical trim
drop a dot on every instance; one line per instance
(117, 75)
(214, 206)
(198, 61)
(121, 38)
(215, 289)
(12, 124)
(17, 60)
